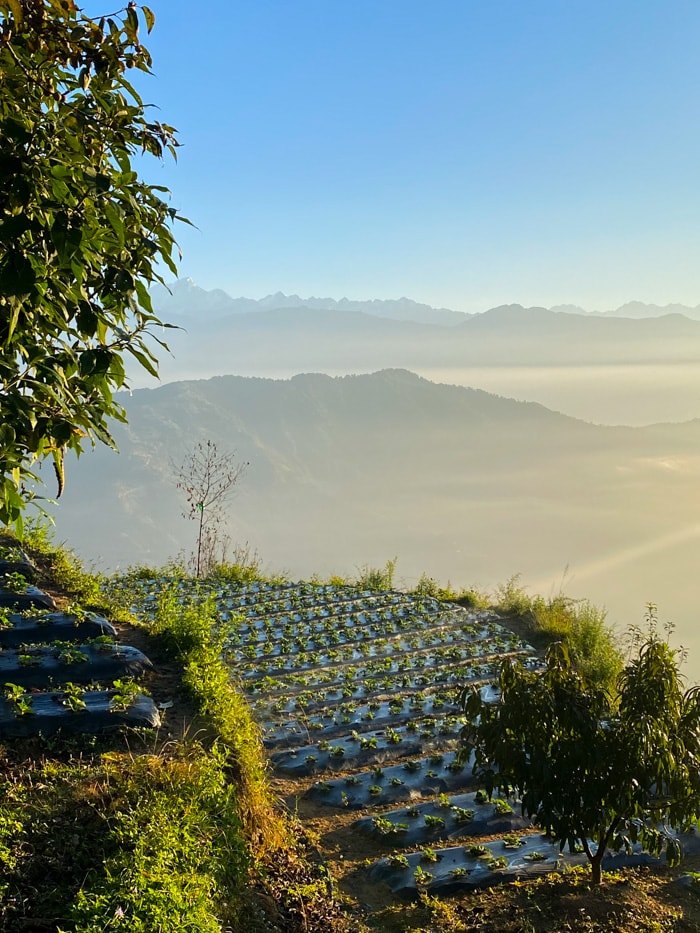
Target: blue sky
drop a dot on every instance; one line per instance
(462, 153)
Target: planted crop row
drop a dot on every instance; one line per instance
(473, 814)
(336, 720)
(328, 631)
(390, 662)
(304, 688)
(345, 641)
(419, 777)
(363, 748)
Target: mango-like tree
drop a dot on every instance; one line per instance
(81, 235)
(593, 769)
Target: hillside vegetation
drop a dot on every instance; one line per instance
(183, 829)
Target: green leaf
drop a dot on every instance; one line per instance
(81, 236)
(149, 17)
(115, 220)
(145, 362)
(16, 10)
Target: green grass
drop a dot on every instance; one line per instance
(121, 842)
(578, 624)
(188, 630)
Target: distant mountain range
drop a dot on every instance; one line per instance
(185, 298)
(285, 341)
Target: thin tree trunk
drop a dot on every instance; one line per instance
(199, 538)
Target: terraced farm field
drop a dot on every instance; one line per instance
(357, 697)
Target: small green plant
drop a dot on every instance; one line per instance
(386, 827)
(444, 802)
(428, 855)
(511, 841)
(15, 582)
(374, 790)
(535, 856)
(66, 653)
(498, 863)
(502, 807)
(458, 872)
(72, 698)
(337, 751)
(396, 782)
(462, 815)
(20, 701)
(434, 822)
(6, 620)
(367, 743)
(412, 766)
(398, 861)
(377, 773)
(478, 851)
(422, 877)
(413, 812)
(353, 780)
(125, 693)
(25, 659)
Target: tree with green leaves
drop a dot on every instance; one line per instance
(82, 237)
(593, 769)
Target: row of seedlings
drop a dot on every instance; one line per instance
(54, 665)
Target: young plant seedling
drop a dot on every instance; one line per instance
(20, 701)
(126, 693)
(72, 698)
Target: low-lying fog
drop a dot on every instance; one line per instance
(352, 472)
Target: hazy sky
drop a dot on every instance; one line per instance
(465, 153)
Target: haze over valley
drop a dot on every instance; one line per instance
(456, 482)
(605, 368)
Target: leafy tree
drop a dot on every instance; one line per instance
(594, 769)
(81, 235)
(207, 478)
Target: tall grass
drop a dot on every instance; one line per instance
(579, 624)
(377, 578)
(188, 629)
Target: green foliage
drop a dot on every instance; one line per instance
(63, 567)
(123, 843)
(125, 692)
(19, 699)
(587, 764)
(81, 236)
(188, 631)
(429, 586)
(179, 845)
(577, 623)
(377, 578)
